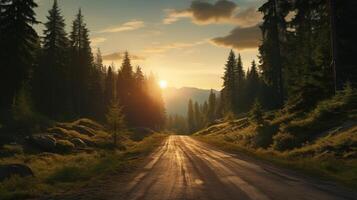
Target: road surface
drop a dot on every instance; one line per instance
(184, 169)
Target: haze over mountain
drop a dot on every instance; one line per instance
(176, 100)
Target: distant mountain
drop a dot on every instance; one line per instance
(176, 100)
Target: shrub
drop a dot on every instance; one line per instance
(256, 114)
(264, 135)
(326, 115)
(23, 114)
(284, 141)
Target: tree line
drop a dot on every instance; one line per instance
(306, 55)
(58, 77)
(296, 66)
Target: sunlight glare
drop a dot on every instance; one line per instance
(163, 84)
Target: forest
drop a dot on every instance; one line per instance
(74, 127)
(56, 77)
(306, 56)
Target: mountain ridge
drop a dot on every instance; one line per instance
(176, 99)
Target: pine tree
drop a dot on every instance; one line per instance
(256, 113)
(204, 114)
(82, 61)
(309, 72)
(212, 107)
(53, 67)
(197, 116)
(271, 59)
(139, 78)
(115, 119)
(109, 87)
(229, 86)
(190, 117)
(253, 85)
(239, 103)
(19, 42)
(96, 89)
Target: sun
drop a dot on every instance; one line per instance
(163, 84)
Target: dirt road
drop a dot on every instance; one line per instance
(184, 168)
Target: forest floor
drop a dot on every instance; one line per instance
(58, 173)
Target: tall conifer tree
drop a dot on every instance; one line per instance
(53, 66)
(19, 42)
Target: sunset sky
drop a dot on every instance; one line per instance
(182, 41)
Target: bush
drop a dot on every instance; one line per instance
(284, 141)
(326, 115)
(264, 135)
(25, 119)
(256, 114)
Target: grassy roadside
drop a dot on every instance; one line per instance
(56, 173)
(343, 171)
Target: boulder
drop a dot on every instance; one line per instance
(89, 123)
(78, 143)
(7, 171)
(84, 130)
(44, 142)
(64, 146)
(59, 132)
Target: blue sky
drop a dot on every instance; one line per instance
(175, 39)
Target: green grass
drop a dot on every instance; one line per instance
(56, 173)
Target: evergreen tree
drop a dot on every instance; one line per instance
(271, 59)
(197, 116)
(19, 42)
(109, 87)
(253, 85)
(53, 67)
(229, 86)
(212, 107)
(115, 119)
(96, 88)
(82, 61)
(204, 114)
(139, 78)
(190, 117)
(239, 87)
(309, 75)
(256, 113)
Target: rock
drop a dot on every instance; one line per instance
(64, 146)
(84, 130)
(78, 143)
(6, 171)
(45, 142)
(59, 132)
(89, 123)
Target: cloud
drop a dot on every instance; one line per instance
(223, 11)
(240, 38)
(127, 26)
(167, 47)
(97, 40)
(120, 55)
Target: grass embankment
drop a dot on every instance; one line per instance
(56, 173)
(321, 142)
